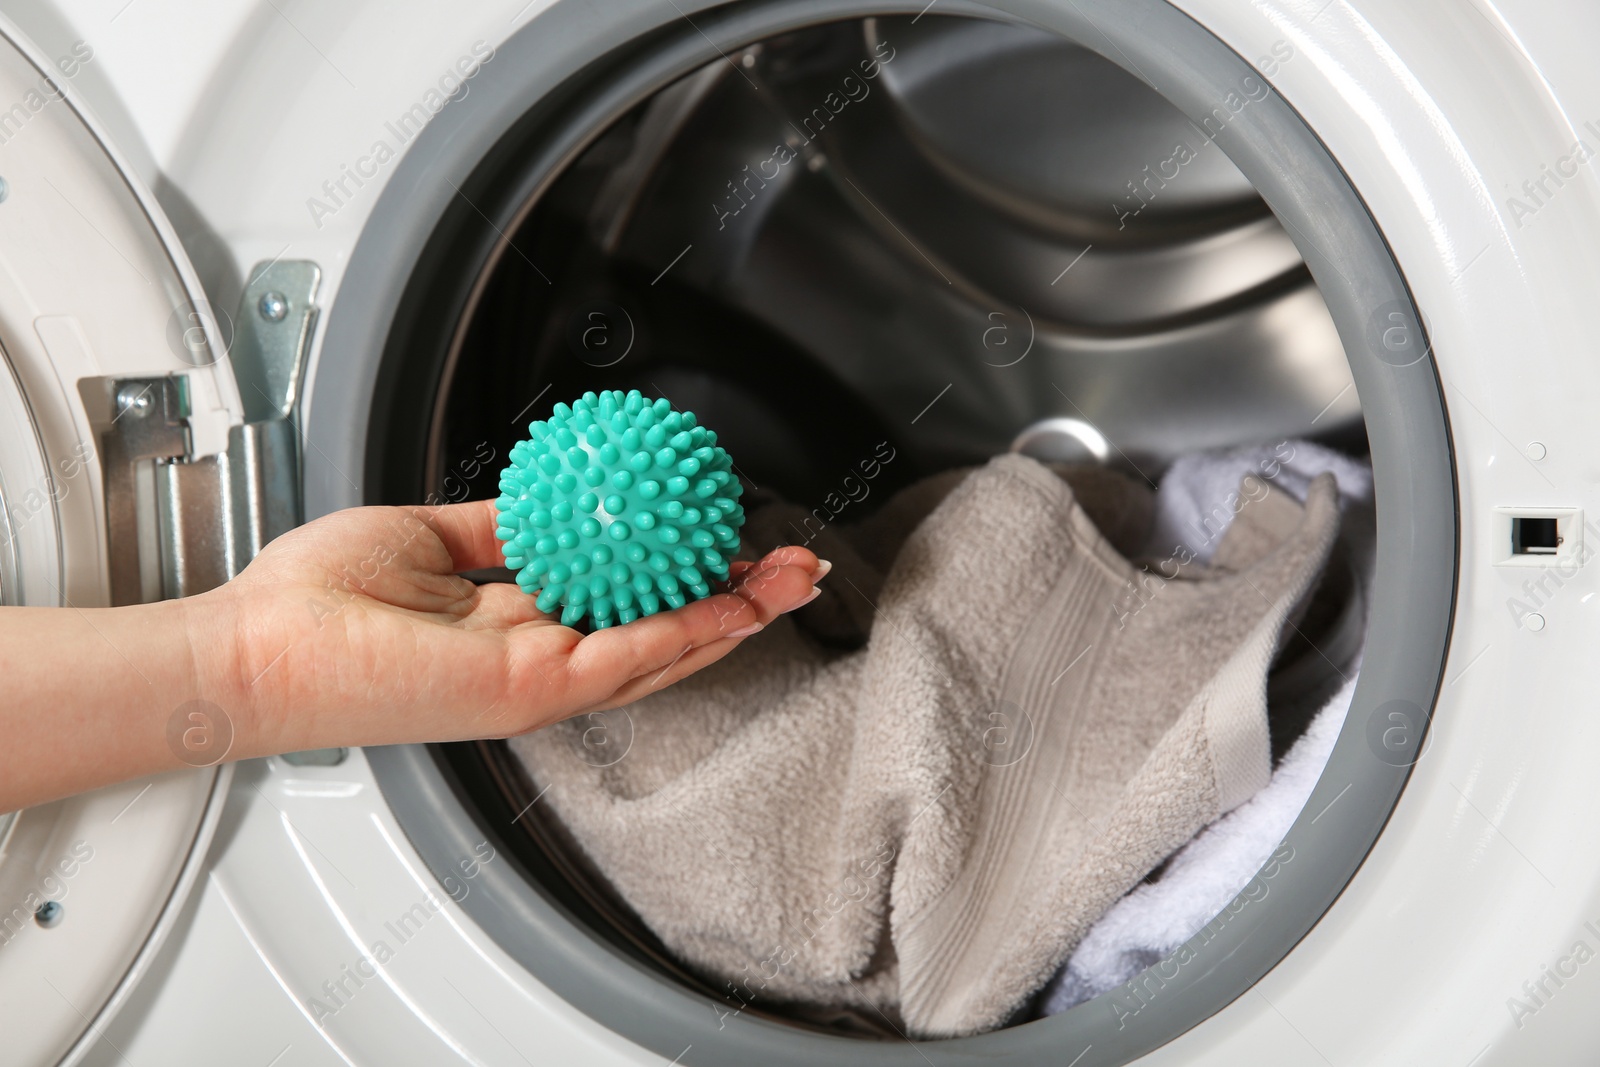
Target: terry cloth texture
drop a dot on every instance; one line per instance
(1156, 918)
(926, 826)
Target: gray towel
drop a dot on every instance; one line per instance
(925, 827)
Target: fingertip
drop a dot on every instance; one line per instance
(815, 592)
(774, 590)
(782, 556)
(791, 556)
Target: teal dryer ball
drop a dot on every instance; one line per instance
(618, 507)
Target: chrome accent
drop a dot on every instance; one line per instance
(277, 315)
(177, 523)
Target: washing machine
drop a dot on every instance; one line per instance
(265, 259)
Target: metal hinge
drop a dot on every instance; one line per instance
(179, 524)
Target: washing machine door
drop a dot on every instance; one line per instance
(129, 471)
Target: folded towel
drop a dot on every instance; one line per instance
(926, 826)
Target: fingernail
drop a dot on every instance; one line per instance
(746, 631)
(823, 567)
(814, 594)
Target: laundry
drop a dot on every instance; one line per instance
(1192, 508)
(1156, 918)
(924, 827)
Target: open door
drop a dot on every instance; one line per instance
(130, 469)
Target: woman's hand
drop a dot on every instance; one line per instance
(355, 629)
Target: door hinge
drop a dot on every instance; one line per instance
(179, 524)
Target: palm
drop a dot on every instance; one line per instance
(362, 617)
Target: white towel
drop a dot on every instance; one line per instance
(1200, 492)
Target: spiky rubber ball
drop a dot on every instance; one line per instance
(618, 507)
